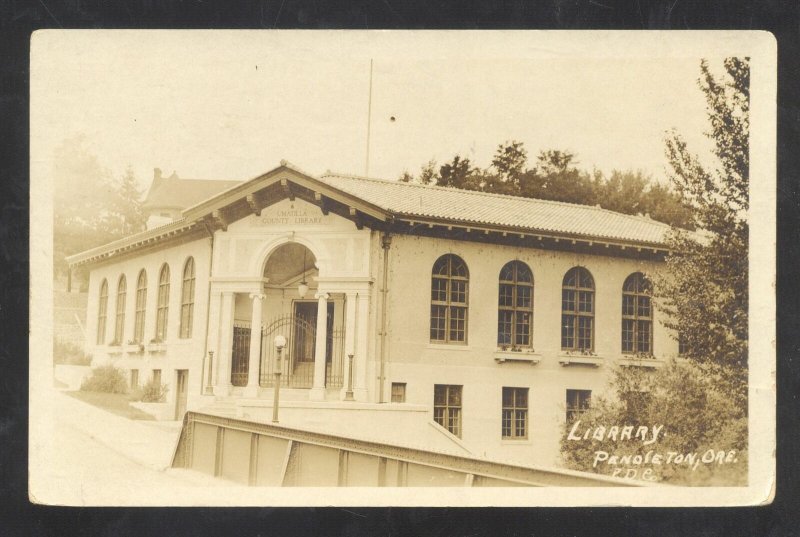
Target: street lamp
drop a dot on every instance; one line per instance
(280, 343)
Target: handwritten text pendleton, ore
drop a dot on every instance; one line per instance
(620, 465)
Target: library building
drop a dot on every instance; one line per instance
(410, 315)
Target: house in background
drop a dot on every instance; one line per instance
(413, 315)
(168, 196)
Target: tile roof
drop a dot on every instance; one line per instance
(465, 206)
(401, 200)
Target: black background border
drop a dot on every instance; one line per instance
(18, 19)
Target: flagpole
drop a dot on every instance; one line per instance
(369, 117)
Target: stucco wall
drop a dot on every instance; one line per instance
(414, 360)
(179, 353)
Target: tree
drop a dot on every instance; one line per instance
(705, 286)
(428, 175)
(556, 178)
(90, 207)
(695, 417)
(406, 177)
(128, 205)
(509, 161)
(458, 173)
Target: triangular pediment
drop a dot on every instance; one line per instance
(256, 196)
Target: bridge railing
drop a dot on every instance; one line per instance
(260, 454)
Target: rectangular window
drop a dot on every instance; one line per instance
(134, 379)
(515, 413)
(578, 402)
(447, 407)
(398, 392)
(157, 377)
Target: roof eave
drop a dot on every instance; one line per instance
(533, 232)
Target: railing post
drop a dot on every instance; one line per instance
(318, 389)
(348, 395)
(209, 380)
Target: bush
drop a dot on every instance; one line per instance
(694, 407)
(69, 353)
(152, 392)
(107, 379)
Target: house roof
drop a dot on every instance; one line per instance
(176, 193)
(466, 206)
(389, 201)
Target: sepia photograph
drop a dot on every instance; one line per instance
(403, 264)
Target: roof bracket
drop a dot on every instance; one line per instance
(287, 189)
(358, 218)
(322, 202)
(255, 204)
(218, 220)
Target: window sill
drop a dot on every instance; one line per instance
(134, 349)
(530, 357)
(156, 347)
(449, 346)
(515, 441)
(579, 359)
(630, 361)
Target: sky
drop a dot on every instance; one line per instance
(232, 105)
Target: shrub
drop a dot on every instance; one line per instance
(107, 379)
(69, 353)
(152, 392)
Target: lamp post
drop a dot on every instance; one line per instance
(280, 343)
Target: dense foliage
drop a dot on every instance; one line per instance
(91, 207)
(107, 379)
(153, 391)
(705, 286)
(697, 417)
(555, 176)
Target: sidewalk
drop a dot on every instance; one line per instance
(149, 443)
(92, 457)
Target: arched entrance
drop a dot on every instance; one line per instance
(290, 306)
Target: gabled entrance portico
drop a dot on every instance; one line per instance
(320, 305)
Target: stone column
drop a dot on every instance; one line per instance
(318, 390)
(223, 386)
(255, 346)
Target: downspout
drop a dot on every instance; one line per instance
(208, 312)
(386, 242)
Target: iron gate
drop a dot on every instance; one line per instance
(297, 359)
(240, 353)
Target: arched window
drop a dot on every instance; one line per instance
(162, 310)
(102, 312)
(577, 310)
(449, 300)
(141, 305)
(119, 321)
(187, 299)
(515, 306)
(637, 315)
